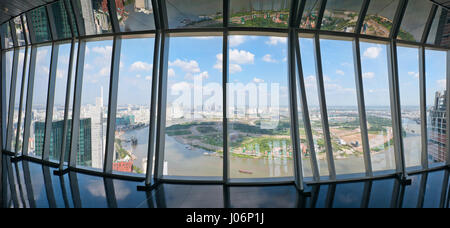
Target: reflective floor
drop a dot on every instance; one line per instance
(32, 185)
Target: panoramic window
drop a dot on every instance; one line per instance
(379, 17)
(258, 108)
(20, 128)
(61, 20)
(94, 104)
(341, 15)
(342, 106)
(19, 31)
(414, 20)
(39, 102)
(194, 13)
(194, 113)
(133, 105)
(408, 78)
(15, 113)
(377, 99)
(39, 24)
(94, 15)
(253, 13)
(436, 95)
(135, 15)
(310, 14)
(312, 97)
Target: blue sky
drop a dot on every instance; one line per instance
(252, 59)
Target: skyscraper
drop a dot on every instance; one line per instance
(437, 129)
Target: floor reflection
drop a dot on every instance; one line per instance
(30, 185)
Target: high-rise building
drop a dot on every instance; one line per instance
(437, 129)
(84, 155)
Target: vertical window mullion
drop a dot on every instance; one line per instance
(12, 95)
(423, 110)
(361, 106)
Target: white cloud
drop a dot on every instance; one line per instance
(186, 66)
(141, 66)
(442, 84)
(235, 41)
(414, 74)
(258, 80)
(368, 75)
(106, 50)
(203, 75)
(104, 71)
(273, 40)
(171, 72)
(235, 68)
(268, 58)
(180, 86)
(241, 57)
(148, 77)
(59, 74)
(138, 76)
(340, 72)
(372, 52)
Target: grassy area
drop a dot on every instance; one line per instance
(179, 132)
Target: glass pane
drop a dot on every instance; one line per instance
(25, 25)
(258, 109)
(39, 24)
(95, 16)
(408, 71)
(19, 31)
(62, 24)
(379, 17)
(135, 15)
(310, 14)
(68, 4)
(194, 13)
(341, 15)
(435, 75)
(312, 97)
(61, 81)
(6, 37)
(414, 20)
(9, 61)
(133, 105)
(39, 102)
(378, 110)
(17, 99)
(24, 95)
(440, 21)
(94, 104)
(265, 13)
(194, 138)
(304, 145)
(342, 106)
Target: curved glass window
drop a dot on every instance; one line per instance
(94, 104)
(414, 20)
(408, 78)
(60, 17)
(133, 105)
(135, 15)
(342, 106)
(254, 13)
(6, 38)
(9, 62)
(310, 14)
(437, 32)
(341, 15)
(436, 95)
(17, 99)
(379, 18)
(194, 113)
(258, 115)
(377, 99)
(94, 15)
(39, 102)
(19, 31)
(312, 97)
(39, 25)
(19, 147)
(194, 13)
